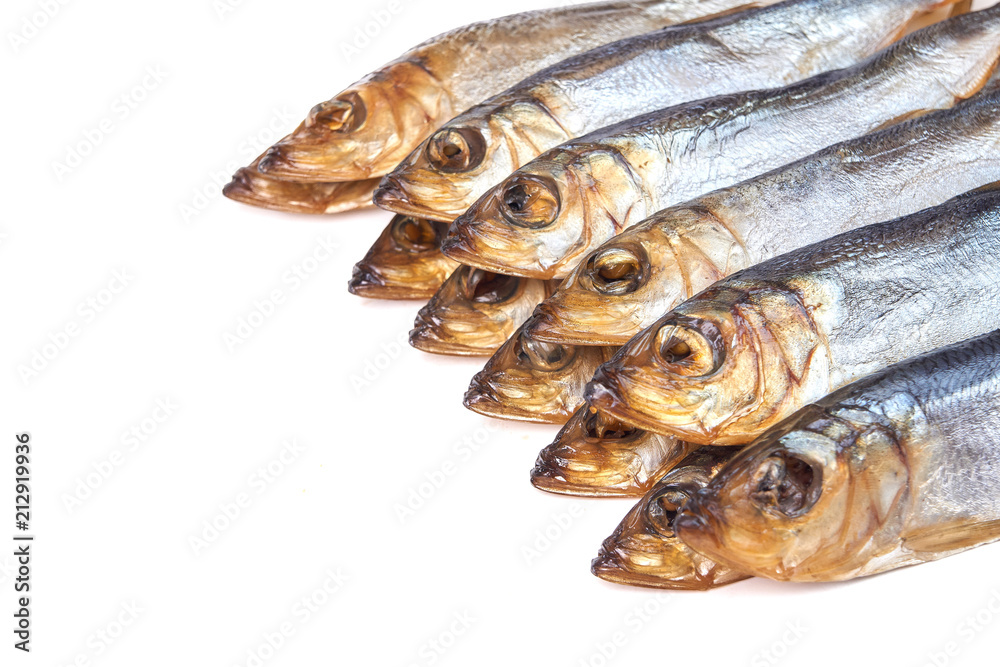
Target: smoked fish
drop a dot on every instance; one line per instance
(897, 469)
(741, 356)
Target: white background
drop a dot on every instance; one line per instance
(231, 82)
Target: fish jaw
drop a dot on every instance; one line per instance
(249, 186)
(721, 368)
(528, 380)
(595, 455)
(542, 219)
(474, 312)
(405, 262)
(363, 132)
(813, 499)
(645, 550)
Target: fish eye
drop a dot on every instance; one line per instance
(487, 287)
(345, 113)
(543, 356)
(685, 349)
(663, 508)
(417, 234)
(454, 150)
(529, 201)
(617, 270)
(600, 426)
(787, 484)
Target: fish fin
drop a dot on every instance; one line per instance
(909, 115)
(961, 7)
(960, 534)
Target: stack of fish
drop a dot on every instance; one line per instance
(744, 251)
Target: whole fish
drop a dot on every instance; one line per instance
(475, 311)
(730, 363)
(597, 455)
(645, 551)
(249, 186)
(759, 48)
(405, 262)
(589, 189)
(530, 380)
(630, 281)
(373, 124)
(898, 469)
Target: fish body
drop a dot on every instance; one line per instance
(370, 126)
(759, 48)
(475, 311)
(730, 363)
(530, 380)
(597, 455)
(645, 551)
(605, 181)
(632, 280)
(405, 262)
(897, 469)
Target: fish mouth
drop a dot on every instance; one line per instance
(560, 475)
(308, 159)
(680, 569)
(368, 282)
(590, 328)
(392, 195)
(595, 456)
(486, 397)
(428, 335)
(250, 186)
(607, 393)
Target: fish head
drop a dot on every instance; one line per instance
(405, 262)
(474, 312)
(532, 380)
(466, 157)
(597, 455)
(645, 550)
(806, 501)
(719, 369)
(365, 130)
(542, 219)
(631, 280)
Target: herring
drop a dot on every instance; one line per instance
(741, 356)
(897, 469)
(758, 48)
(542, 219)
(363, 131)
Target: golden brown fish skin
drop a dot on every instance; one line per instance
(730, 363)
(527, 380)
(249, 186)
(477, 149)
(405, 262)
(365, 130)
(598, 456)
(589, 189)
(632, 280)
(645, 551)
(475, 311)
(897, 469)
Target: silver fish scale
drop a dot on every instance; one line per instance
(765, 47)
(947, 408)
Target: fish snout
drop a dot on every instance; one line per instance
(390, 192)
(459, 245)
(364, 278)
